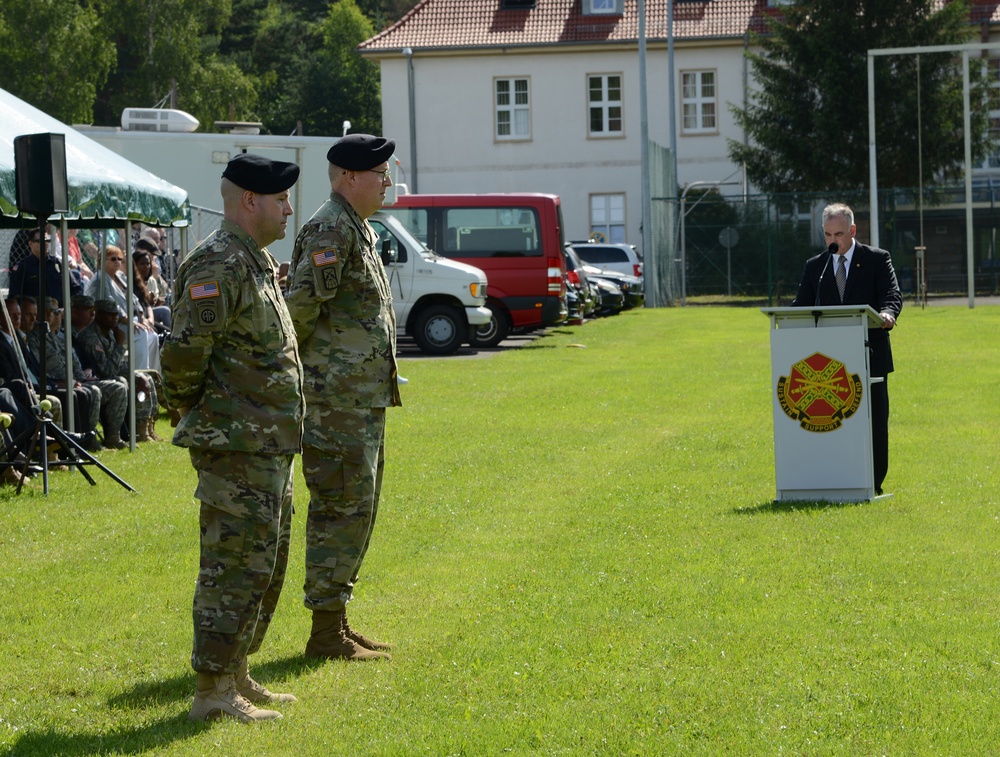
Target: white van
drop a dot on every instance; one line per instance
(437, 301)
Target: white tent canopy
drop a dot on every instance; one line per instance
(103, 186)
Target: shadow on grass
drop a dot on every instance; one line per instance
(792, 506)
(154, 735)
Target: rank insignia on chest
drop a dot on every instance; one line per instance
(201, 291)
(324, 257)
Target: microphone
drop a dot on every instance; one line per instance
(832, 249)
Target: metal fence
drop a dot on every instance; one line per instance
(756, 246)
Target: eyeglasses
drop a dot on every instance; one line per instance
(385, 173)
(116, 260)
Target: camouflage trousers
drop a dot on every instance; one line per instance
(345, 483)
(114, 404)
(246, 519)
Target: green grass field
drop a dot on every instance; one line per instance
(577, 554)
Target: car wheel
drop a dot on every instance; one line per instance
(439, 330)
(492, 333)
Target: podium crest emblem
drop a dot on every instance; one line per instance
(819, 393)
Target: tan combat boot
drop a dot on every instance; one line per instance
(358, 638)
(328, 640)
(141, 431)
(254, 693)
(151, 431)
(217, 697)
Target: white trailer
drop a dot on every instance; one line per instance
(437, 301)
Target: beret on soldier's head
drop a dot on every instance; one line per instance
(106, 306)
(261, 175)
(82, 301)
(360, 152)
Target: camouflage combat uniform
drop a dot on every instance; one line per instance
(340, 302)
(109, 360)
(111, 404)
(231, 362)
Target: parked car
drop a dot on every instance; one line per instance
(631, 286)
(612, 300)
(623, 258)
(576, 279)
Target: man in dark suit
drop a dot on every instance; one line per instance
(867, 278)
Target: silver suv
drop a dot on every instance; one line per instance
(623, 258)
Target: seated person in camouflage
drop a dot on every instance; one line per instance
(86, 400)
(111, 394)
(102, 350)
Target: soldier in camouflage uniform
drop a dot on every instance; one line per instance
(114, 392)
(103, 350)
(340, 302)
(233, 384)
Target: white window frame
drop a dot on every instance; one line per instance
(611, 110)
(603, 7)
(607, 214)
(514, 115)
(699, 110)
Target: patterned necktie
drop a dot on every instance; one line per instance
(841, 276)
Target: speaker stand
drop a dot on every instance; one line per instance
(79, 458)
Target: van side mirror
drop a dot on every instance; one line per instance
(388, 254)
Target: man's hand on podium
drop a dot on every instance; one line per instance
(888, 320)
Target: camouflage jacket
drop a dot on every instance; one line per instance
(103, 355)
(339, 299)
(231, 358)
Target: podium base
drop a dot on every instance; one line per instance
(825, 495)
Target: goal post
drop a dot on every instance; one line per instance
(967, 129)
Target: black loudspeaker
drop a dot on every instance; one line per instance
(40, 174)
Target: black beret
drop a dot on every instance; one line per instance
(360, 152)
(261, 175)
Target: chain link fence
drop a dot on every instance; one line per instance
(756, 246)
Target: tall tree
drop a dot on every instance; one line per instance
(53, 55)
(325, 82)
(807, 124)
(163, 43)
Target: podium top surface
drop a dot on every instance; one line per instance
(827, 311)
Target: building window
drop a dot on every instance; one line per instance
(603, 7)
(698, 102)
(513, 108)
(604, 103)
(607, 218)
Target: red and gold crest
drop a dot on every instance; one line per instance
(819, 393)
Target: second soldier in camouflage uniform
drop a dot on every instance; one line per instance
(233, 383)
(339, 299)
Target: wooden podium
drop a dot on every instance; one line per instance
(820, 379)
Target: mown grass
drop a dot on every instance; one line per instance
(577, 553)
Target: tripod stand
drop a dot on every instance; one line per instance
(47, 430)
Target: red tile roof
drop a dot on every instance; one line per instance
(481, 23)
(457, 24)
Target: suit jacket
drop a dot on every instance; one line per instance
(871, 281)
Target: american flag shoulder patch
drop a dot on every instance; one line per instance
(201, 291)
(324, 257)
